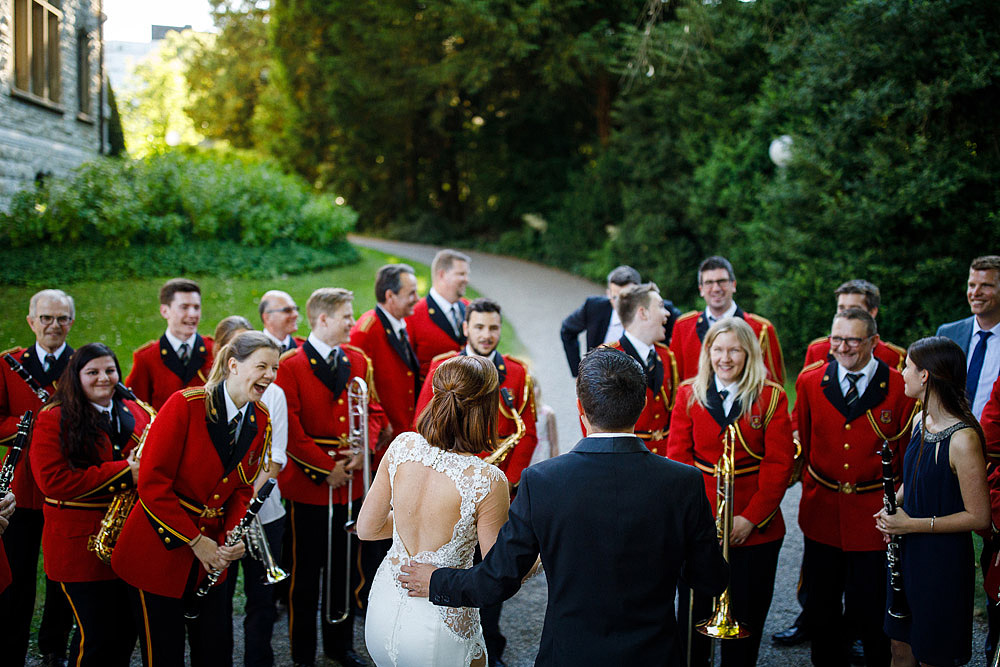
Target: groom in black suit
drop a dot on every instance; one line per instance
(615, 526)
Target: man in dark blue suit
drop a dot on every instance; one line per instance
(598, 318)
(615, 526)
(979, 337)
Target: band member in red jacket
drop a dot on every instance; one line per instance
(435, 326)
(857, 294)
(732, 404)
(198, 466)
(846, 409)
(82, 454)
(315, 380)
(181, 358)
(51, 314)
(642, 310)
(717, 285)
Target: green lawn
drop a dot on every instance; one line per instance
(124, 314)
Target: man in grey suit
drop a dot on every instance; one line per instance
(615, 525)
(978, 335)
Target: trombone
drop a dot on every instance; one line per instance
(357, 436)
(722, 625)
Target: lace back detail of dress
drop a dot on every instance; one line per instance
(472, 478)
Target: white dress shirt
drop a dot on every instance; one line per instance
(176, 342)
(712, 319)
(991, 365)
(640, 347)
(41, 353)
(322, 348)
(867, 373)
(727, 402)
(280, 343)
(274, 399)
(397, 325)
(445, 306)
(615, 328)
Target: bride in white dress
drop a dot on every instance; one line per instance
(436, 499)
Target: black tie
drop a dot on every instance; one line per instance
(331, 359)
(106, 420)
(407, 351)
(852, 392)
(234, 426)
(290, 346)
(724, 394)
(50, 362)
(651, 360)
(456, 319)
(184, 352)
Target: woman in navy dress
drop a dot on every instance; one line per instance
(943, 498)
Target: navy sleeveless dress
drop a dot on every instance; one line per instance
(938, 574)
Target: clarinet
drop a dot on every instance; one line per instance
(236, 535)
(7, 471)
(898, 606)
(32, 383)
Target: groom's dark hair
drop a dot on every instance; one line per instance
(611, 387)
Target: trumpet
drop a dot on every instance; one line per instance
(722, 625)
(257, 547)
(357, 436)
(508, 443)
(102, 543)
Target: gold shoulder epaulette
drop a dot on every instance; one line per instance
(286, 354)
(688, 315)
(366, 321)
(762, 320)
(49, 406)
(813, 365)
(817, 341)
(357, 350)
(147, 344)
(520, 362)
(895, 348)
(774, 385)
(260, 405)
(193, 393)
(12, 350)
(665, 347)
(688, 381)
(613, 345)
(445, 355)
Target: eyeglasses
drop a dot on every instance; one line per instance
(712, 283)
(287, 310)
(63, 320)
(837, 341)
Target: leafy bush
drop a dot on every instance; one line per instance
(172, 197)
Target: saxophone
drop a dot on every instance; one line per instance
(102, 543)
(507, 444)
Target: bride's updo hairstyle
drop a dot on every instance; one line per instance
(462, 414)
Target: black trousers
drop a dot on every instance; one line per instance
(751, 586)
(105, 629)
(162, 626)
(858, 579)
(992, 610)
(22, 541)
(308, 582)
(258, 624)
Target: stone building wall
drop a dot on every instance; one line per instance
(41, 139)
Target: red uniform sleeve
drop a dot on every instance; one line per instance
(54, 475)
(8, 422)
(680, 441)
(139, 379)
(990, 421)
(776, 466)
(521, 456)
(161, 458)
(426, 393)
(772, 357)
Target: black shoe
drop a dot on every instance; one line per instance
(53, 660)
(792, 636)
(351, 659)
(857, 653)
(497, 663)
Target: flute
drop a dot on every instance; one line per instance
(898, 606)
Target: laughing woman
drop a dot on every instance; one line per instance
(82, 454)
(731, 396)
(195, 480)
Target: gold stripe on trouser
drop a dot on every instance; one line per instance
(145, 623)
(79, 624)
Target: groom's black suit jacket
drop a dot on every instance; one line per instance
(616, 526)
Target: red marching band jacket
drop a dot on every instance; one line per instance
(431, 333)
(396, 381)
(191, 482)
(513, 377)
(157, 371)
(691, 328)
(318, 421)
(841, 447)
(76, 499)
(763, 460)
(653, 426)
(990, 421)
(16, 398)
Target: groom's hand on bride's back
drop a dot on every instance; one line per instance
(416, 579)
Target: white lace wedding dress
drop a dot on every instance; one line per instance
(402, 630)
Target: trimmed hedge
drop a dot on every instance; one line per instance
(173, 197)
